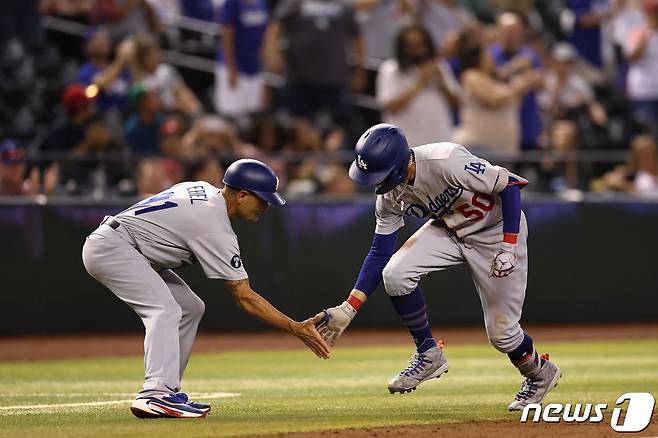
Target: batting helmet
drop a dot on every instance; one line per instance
(382, 156)
(255, 177)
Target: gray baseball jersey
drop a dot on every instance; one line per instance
(450, 184)
(184, 224)
(462, 190)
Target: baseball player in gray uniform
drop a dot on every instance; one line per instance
(475, 217)
(135, 252)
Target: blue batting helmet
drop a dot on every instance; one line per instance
(382, 156)
(255, 177)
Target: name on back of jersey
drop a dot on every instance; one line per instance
(197, 193)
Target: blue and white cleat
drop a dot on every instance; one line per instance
(422, 366)
(534, 388)
(166, 406)
(195, 405)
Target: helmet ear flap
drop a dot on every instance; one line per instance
(393, 179)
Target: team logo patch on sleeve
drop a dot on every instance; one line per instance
(476, 167)
(236, 261)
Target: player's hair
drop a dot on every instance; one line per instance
(233, 191)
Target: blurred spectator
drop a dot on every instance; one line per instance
(208, 170)
(417, 89)
(319, 34)
(587, 32)
(210, 134)
(336, 181)
(567, 96)
(199, 9)
(124, 18)
(267, 132)
(79, 134)
(512, 58)
(558, 170)
(162, 78)
(112, 79)
(441, 17)
(71, 9)
(171, 139)
(165, 9)
(572, 116)
(642, 81)
(640, 175)
(489, 107)
(152, 177)
(380, 21)
(628, 15)
(312, 173)
(13, 169)
(239, 84)
(142, 129)
(523, 8)
(304, 136)
(20, 23)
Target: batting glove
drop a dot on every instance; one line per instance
(335, 321)
(504, 262)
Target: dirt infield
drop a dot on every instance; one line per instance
(489, 429)
(80, 346)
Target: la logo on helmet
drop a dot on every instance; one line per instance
(360, 163)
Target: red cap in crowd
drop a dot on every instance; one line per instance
(75, 98)
(650, 6)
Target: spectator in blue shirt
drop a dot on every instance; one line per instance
(142, 129)
(111, 78)
(199, 9)
(511, 58)
(587, 31)
(239, 84)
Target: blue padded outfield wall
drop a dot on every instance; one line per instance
(589, 262)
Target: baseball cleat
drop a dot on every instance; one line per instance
(165, 406)
(195, 405)
(431, 364)
(534, 389)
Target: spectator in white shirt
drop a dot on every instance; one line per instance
(417, 90)
(641, 49)
(640, 175)
(162, 78)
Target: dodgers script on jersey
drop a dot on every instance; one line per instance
(184, 224)
(451, 184)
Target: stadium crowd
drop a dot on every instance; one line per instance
(508, 79)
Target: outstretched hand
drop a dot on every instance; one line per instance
(334, 321)
(309, 335)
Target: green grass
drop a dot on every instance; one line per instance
(293, 391)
